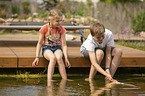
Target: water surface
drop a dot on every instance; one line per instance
(129, 85)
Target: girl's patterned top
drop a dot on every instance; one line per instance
(53, 38)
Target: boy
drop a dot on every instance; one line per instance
(98, 45)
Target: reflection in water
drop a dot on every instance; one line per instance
(110, 88)
(52, 91)
(107, 89)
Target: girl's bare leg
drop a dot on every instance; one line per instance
(49, 55)
(61, 66)
(117, 53)
(99, 57)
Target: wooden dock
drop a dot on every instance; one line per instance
(20, 54)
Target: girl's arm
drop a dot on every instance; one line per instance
(38, 49)
(64, 48)
(97, 66)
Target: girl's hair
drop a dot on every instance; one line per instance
(54, 14)
(97, 28)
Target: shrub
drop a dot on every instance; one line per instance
(3, 10)
(138, 22)
(26, 7)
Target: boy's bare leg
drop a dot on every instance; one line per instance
(117, 53)
(61, 66)
(99, 57)
(52, 61)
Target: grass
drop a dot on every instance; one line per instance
(136, 45)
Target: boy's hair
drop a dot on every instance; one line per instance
(97, 28)
(55, 13)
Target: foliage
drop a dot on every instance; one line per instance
(49, 4)
(26, 9)
(121, 1)
(43, 14)
(138, 22)
(15, 8)
(3, 10)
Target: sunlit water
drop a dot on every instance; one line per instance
(128, 85)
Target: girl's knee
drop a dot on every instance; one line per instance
(59, 59)
(52, 58)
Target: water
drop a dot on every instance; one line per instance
(128, 85)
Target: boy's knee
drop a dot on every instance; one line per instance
(119, 52)
(100, 53)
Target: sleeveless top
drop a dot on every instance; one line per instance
(52, 37)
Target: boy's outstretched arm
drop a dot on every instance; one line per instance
(97, 66)
(108, 59)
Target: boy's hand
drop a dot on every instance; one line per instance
(35, 62)
(108, 71)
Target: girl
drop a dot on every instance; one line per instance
(52, 39)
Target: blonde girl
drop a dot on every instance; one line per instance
(53, 43)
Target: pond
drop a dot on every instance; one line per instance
(131, 85)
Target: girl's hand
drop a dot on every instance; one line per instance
(67, 63)
(35, 62)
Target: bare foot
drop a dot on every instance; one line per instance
(69, 80)
(86, 79)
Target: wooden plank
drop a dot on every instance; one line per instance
(75, 58)
(132, 62)
(26, 62)
(8, 62)
(84, 62)
(7, 58)
(22, 57)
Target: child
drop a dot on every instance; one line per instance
(98, 45)
(53, 43)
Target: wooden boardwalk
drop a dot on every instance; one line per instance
(20, 54)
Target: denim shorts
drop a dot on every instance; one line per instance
(86, 53)
(52, 48)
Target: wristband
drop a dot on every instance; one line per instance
(107, 68)
(37, 57)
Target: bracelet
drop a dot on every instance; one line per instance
(37, 57)
(107, 68)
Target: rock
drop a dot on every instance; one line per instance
(2, 21)
(70, 37)
(142, 34)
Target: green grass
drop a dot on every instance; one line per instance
(134, 45)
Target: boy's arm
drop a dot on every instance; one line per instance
(108, 58)
(95, 64)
